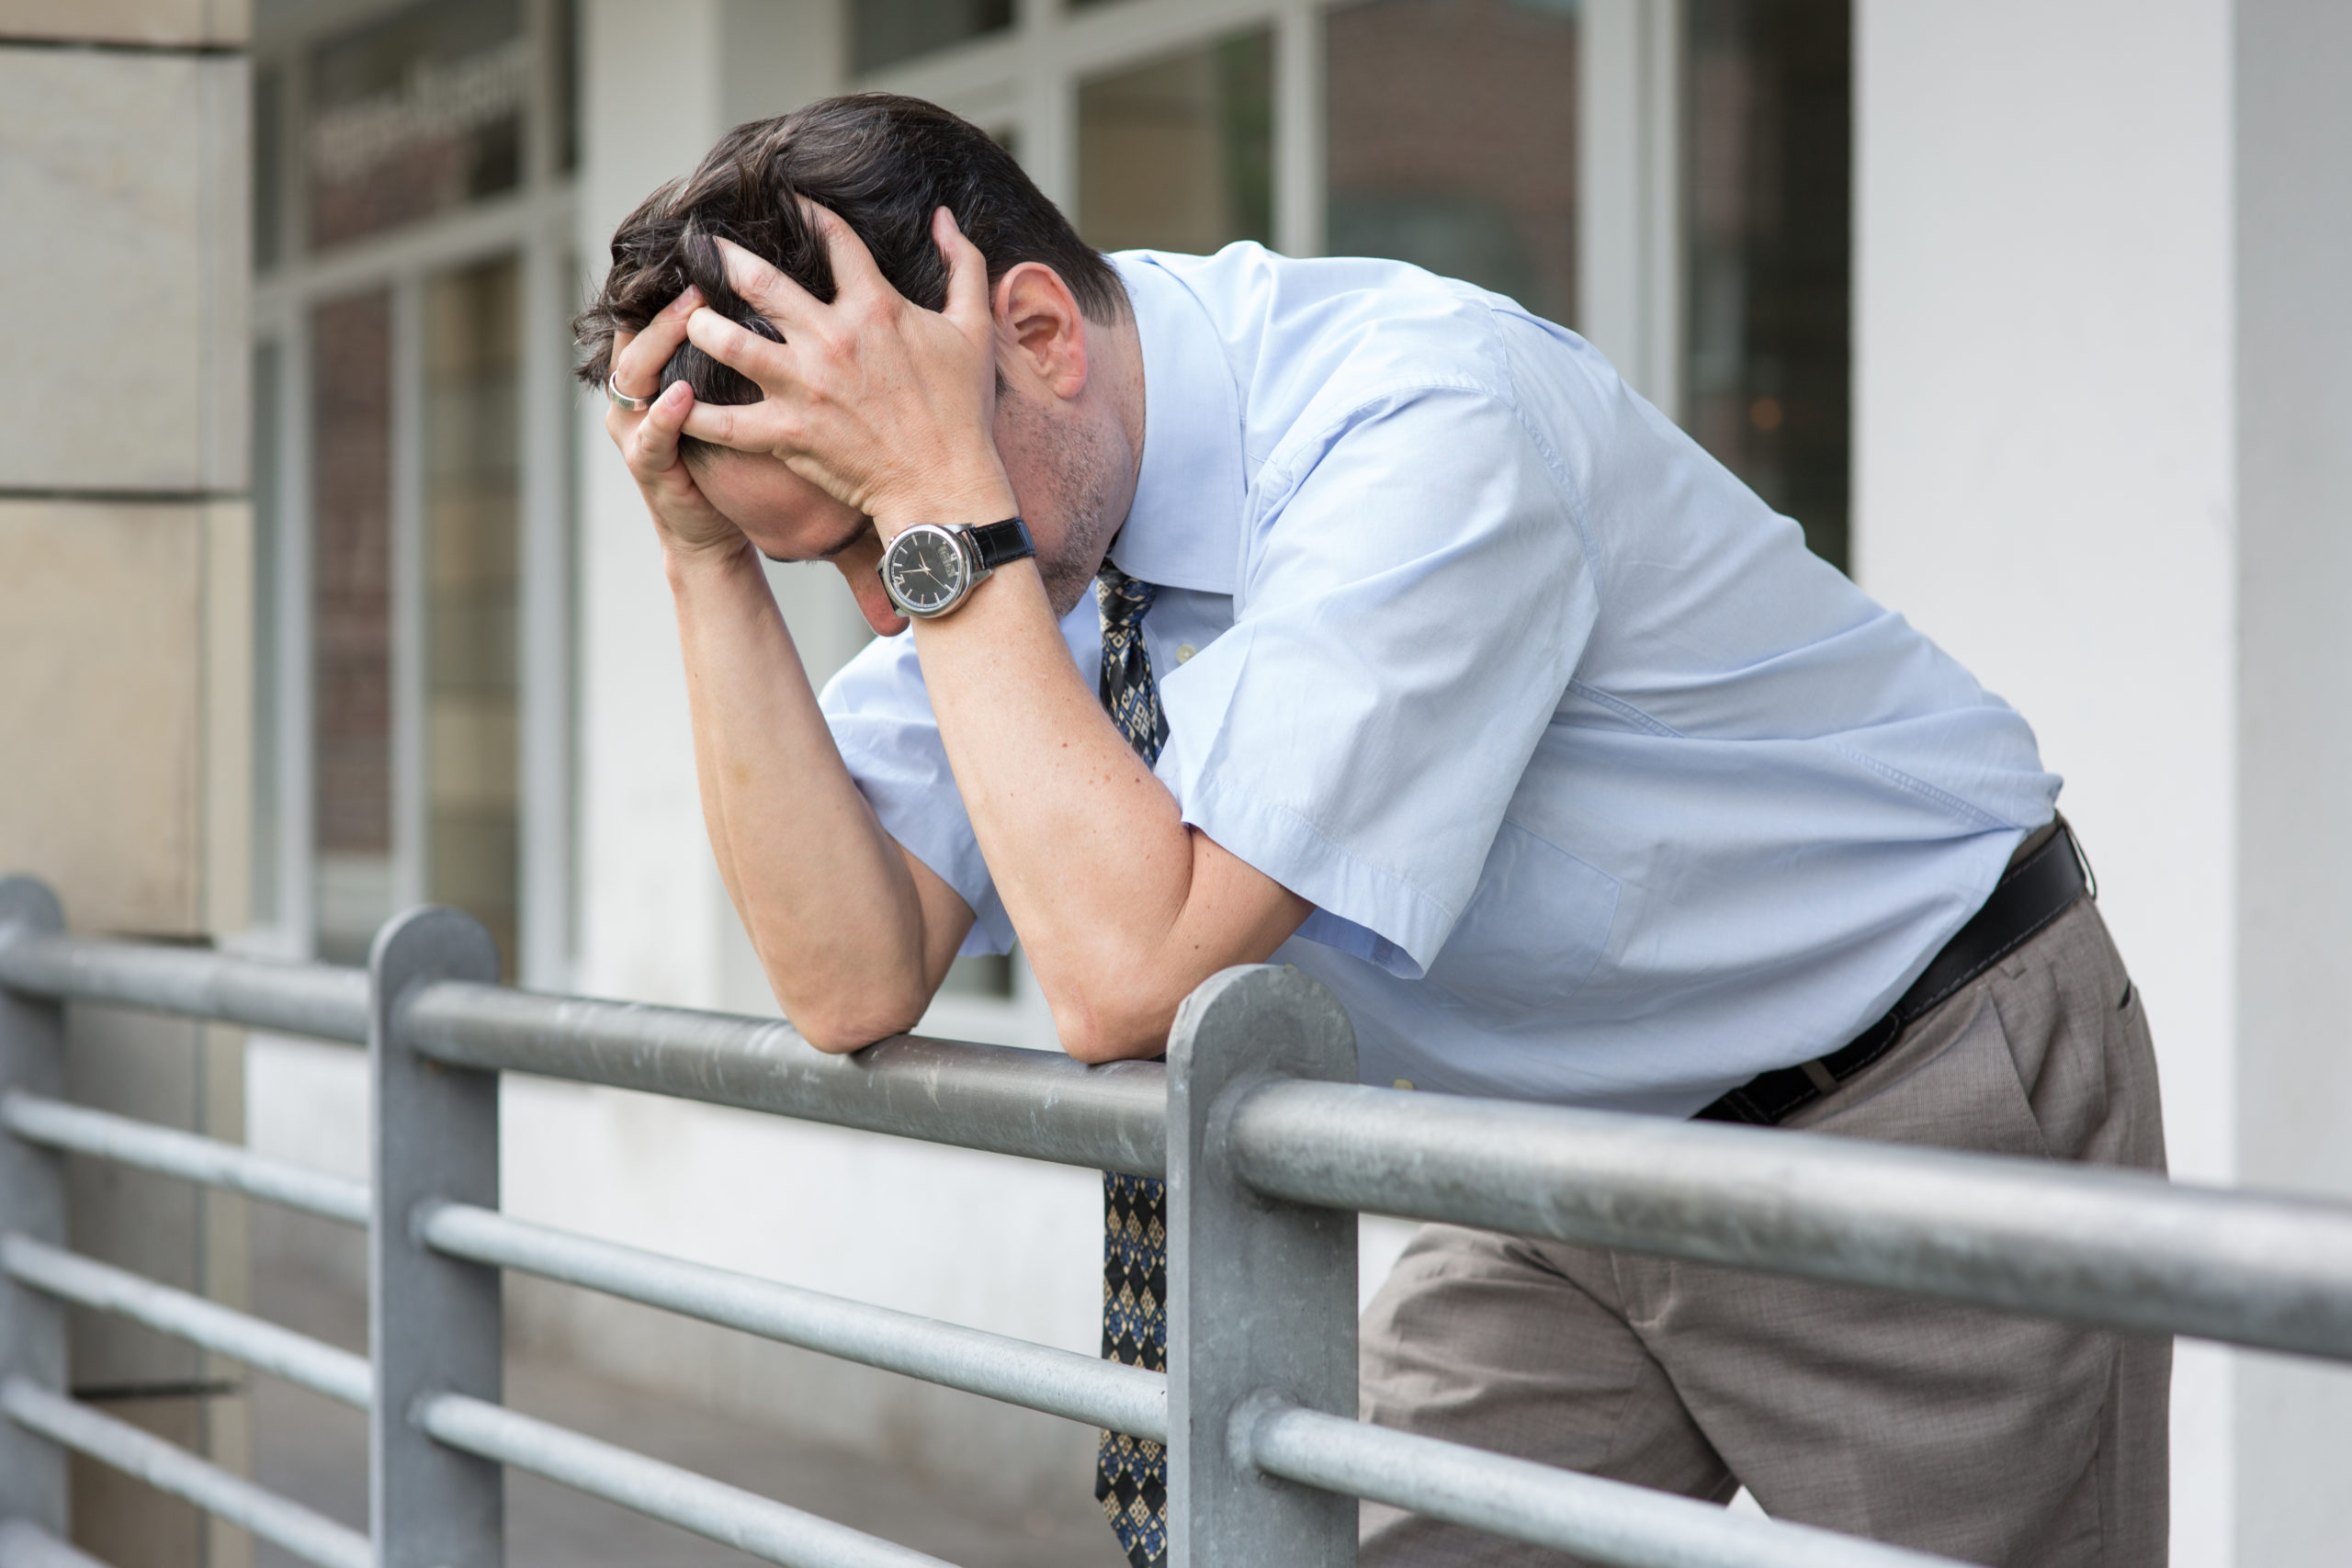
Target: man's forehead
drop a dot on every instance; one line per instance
(863, 526)
(788, 518)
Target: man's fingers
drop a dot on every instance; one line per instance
(747, 427)
(638, 357)
(738, 348)
(853, 269)
(968, 273)
(651, 449)
(766, 289)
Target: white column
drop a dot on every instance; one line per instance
(2045, 483)
(648, 890)
(659, 86)
(2294, 756)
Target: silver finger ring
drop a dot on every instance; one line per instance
(623, 401)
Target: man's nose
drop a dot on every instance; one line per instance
(866, 585)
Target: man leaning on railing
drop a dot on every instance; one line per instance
(1423, 655)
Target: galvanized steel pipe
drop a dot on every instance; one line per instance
(193, 1157)
(1101, 1393)
(24, 1544)
(742, 1520)
(2117, 1248)
(265, 1346)
(1036, 1104)
(1601, 1521)
(312, 1537)
(314, 999)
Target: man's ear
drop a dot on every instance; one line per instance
(1041, 330)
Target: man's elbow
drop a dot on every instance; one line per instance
(1102, 1024)
(838, 1025)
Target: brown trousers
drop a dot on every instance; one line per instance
(1983, 1436)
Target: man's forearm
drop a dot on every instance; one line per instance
(829, 900)
(1122, 908)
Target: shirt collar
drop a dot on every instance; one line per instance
(1184, 528)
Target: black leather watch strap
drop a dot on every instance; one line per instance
(1000, 543)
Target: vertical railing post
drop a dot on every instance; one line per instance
(1262, 1294)
(32, 1204)
(433, 1322)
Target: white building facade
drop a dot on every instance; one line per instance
(2033, 314)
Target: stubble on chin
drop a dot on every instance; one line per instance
(1090, 485)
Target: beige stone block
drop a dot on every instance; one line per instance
(101, 718)
(129, 21)
(123, 177)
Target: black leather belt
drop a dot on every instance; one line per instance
(2048, 874)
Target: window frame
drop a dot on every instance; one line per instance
(534, 223)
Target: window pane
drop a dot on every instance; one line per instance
(268, 531)
(473, 332)
(1451, 142)
(1769, 140)
(351, 362)
(269, 153)
(416, 114)
(563, 115)
(1179, 155)
(883, 32)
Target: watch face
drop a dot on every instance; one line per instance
(924, 570)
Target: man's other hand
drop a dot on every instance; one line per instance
(687, 521)
(886, 406)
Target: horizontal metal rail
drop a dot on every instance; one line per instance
(742, 1520)
(24, 1544)
(2117, 1248)
(312, 1537)
(263, 1345)
(1035, 1104)
(1610, 1522)
(315, 1000)
(169, 1152)
(1081, 1388)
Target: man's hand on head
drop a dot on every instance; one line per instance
(689, 525)
(886, 406)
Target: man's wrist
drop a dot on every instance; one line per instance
(951, 501)
(686, 564)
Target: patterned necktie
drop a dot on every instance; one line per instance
(1131, 1474)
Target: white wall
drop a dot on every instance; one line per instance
(2102, 354)
(2045, 482)
(2294, 378)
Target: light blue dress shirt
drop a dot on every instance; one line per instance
(1606, 791)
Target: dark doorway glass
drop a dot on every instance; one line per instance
(1451, 142)
(1177, 154)
(1768, 149)
(351, 620)
(883, 32)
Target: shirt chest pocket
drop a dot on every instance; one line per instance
(1536, 925)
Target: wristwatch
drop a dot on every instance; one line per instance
(931, 568)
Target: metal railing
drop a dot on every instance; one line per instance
(1269, 1146)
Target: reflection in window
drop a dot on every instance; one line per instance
(415, 114)
(269, 151)
(351, 616)
(472, 339)
(268, 533)
(883, 32)
(1451, 142)
(1179, 155)
(1769, 141)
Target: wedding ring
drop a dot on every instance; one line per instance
(623, 401)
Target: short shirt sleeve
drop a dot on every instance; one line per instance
(1415, 595)
(880, 715)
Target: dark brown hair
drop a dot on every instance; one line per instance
(884, 164)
